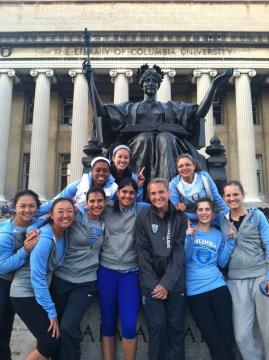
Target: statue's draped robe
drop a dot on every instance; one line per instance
(156, 134)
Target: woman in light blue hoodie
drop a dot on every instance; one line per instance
(29, 291)
(208, 296)
(248, 273)
(98, 176)
(14, 252)
(190, 185)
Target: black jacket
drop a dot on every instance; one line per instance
(159, 263)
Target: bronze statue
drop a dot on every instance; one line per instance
(155, 132)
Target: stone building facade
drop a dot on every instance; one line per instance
(45, 115)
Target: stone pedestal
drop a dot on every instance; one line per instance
(196, 349)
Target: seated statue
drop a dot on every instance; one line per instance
(156, 132)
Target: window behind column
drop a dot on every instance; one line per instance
(255, 109)
(29, 110)
(218, 110)
(25, 170)
(64, 170)
(259, 172)
(67, 111)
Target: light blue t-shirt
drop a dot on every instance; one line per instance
(204, 252)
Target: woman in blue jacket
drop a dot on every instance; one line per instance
(99, 176)
(248, 274)
(208, 296)
(190, 185)
(117, 277)
(29, 291)
(74, 282)
(14, 253)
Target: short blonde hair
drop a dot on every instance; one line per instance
(158, 180)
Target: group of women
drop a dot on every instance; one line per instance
(49, 276)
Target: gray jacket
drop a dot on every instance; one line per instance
(249, 258)
(21, 285)
(85, 239)
(119, 252)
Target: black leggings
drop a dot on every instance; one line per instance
(212, 311)
(37, 321)
(6, 319)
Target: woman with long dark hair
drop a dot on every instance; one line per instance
(74, 282)
(118, 283)
(14, 252)
(209, 298)
(30, 295)
(120, 168)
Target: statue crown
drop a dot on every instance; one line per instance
(145, 70)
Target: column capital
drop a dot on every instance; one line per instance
(239, 71)
(48, 72)
(200, 71)
(8, 72)
(170, 72)
(127, 72)
(74, 72)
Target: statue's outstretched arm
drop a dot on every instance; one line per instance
(204, 106)
(95, 97)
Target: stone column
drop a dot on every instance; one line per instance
(40, 127)
(121, 79)
(164, 92)
(6, 86)
(245, 134)
(203, 79)
(80, 122)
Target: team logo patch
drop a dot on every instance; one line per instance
(195, 196)
(203, 256)
(154, 228)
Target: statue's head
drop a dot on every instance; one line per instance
(145, 71)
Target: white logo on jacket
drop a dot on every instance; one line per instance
(154, 228)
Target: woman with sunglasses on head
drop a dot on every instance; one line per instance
(98, 176)
(209, 298)
(14, 252)
(117, 278)
(190, 185)
(120, 168)
(29, 292)
(74, 282)
(248, 274)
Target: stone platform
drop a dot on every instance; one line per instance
(22, 341)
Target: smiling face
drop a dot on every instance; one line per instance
(62, 215)
(151, 85)
(126, 196)
(121, 159)
(233, 197)
(185, 168)
(159, 196)
(100, 173)
(204, 212)
(25, 209)
(96, 204)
